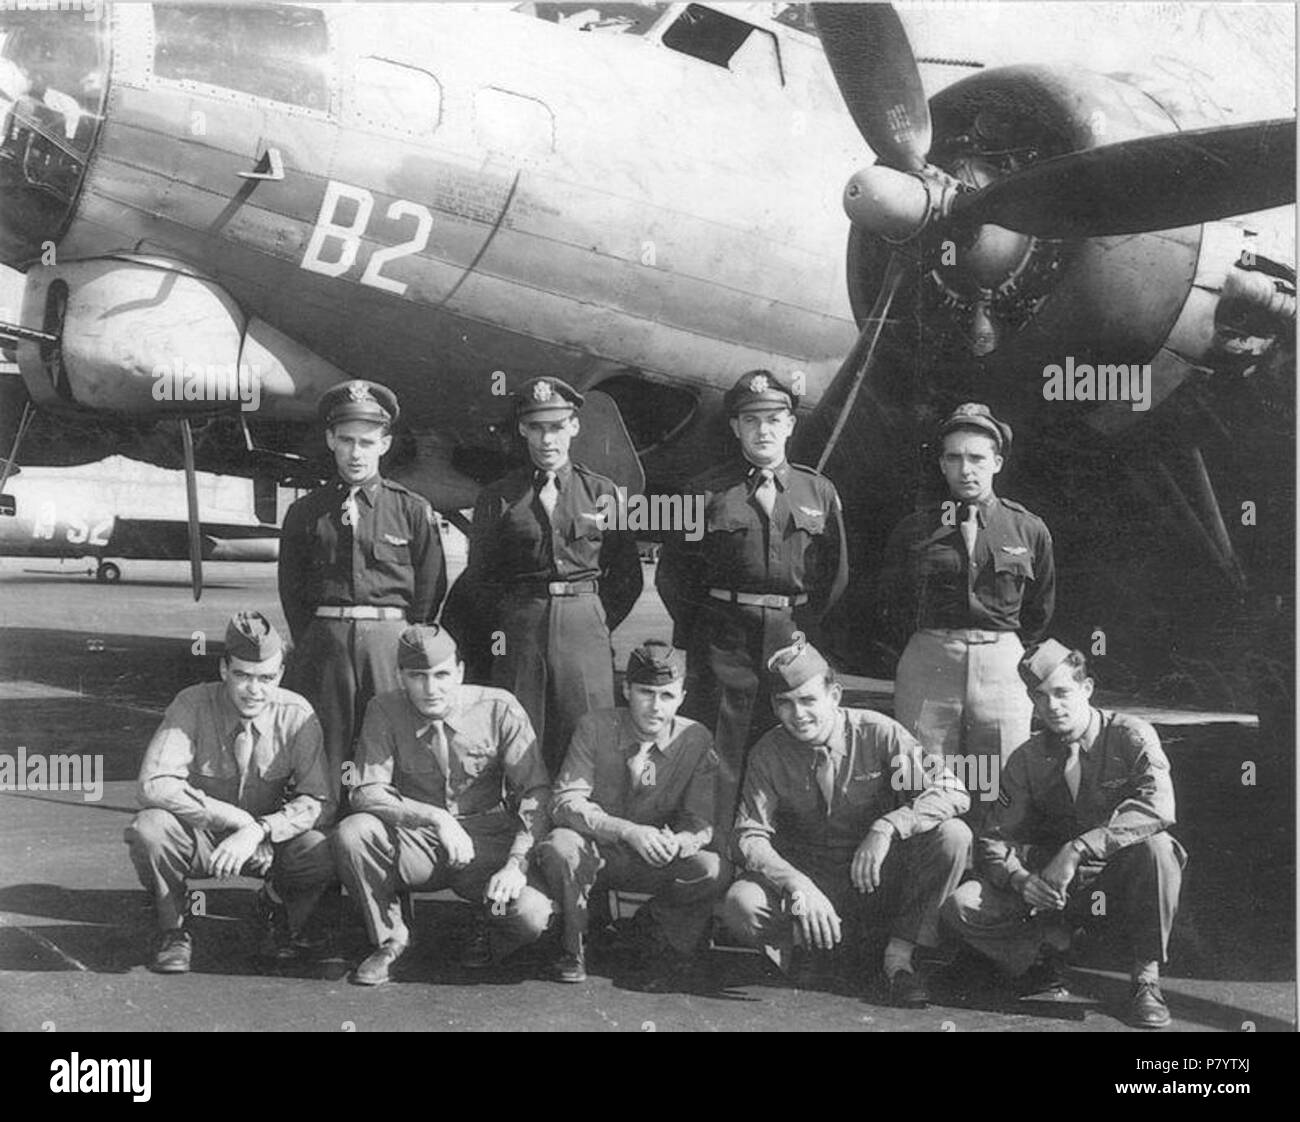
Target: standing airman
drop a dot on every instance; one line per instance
(968, 578)
(771, 561)
(360, 558)
(545, 554)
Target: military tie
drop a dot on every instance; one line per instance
(825, 768)
(243, 755)
(765, 491)
(969, 528)
(548, 493)
(640, 770)
(351, 515)
(441, 752)
(1071, 770)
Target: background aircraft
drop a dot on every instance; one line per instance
(646, 201)
(120, 508)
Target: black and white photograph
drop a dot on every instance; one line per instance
(667, 517)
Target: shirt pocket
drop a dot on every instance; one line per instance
(586, 526)
(1011, 571)
(808, 519)
(869, 791)
(390, 552)
(477, 759)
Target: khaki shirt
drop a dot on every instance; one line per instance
(1125, 794)
(496, 768)
(189, 767)
(881, 772)
(594, 794)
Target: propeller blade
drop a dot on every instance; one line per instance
(876, 72)
(857, 365)
(1152, 183)
(192, 510)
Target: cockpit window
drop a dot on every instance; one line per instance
(53, 82)
(725, 41)
(627, 19)
(277, 51)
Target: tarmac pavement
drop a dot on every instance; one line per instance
(86, 669)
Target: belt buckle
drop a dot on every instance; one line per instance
(557, 588)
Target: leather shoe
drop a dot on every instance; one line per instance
(1147, 1008)
(374, 971)
(1045, 980)
(908, 990)
(173, 953)
(570, 968)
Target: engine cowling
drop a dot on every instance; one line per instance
(149, 338)
(996, 306)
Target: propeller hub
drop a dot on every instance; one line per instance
(891, 204)
(995, 254)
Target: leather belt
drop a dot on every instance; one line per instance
(759, 599)
(968, 634)
(359, 611)
(560, 587)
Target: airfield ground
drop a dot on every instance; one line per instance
(88, 668)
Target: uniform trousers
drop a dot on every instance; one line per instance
(165, 851)
(338, 666)
(557, 661)
(683, 890)
(961, 695)
(726, 689)
(1137, 890)
(916, 877)
(377, 861)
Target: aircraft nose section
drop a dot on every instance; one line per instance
(53, 85)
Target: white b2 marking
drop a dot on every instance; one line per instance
(329, 232)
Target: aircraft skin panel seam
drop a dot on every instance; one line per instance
(830, 321)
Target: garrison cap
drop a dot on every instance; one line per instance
(423, 646)
(251, 638)
(655, 663)
(1041, 660)
(758, 389)
(547, 399)
(790, 667)
(975, 415)
(357, 400)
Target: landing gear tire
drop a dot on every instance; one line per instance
(108, 573)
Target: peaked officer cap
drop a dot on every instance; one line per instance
(975, 415)
(357, 400)
(758, 389)
(547, 399)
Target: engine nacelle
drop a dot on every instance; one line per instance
(149, 338)
(1005, 304)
